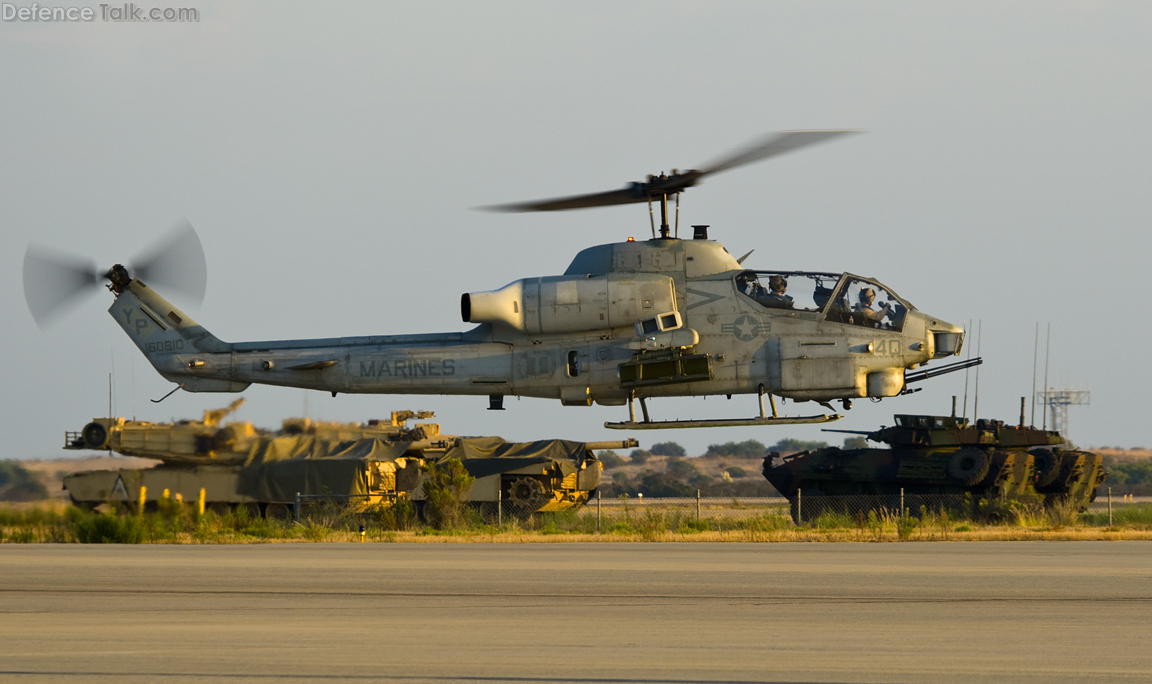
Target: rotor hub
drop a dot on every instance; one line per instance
(119, 277)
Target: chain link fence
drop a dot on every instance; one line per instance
(808, 508)
(621, 514)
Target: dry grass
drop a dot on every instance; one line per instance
(1124, 455)
(176, 524)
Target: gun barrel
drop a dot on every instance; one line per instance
(629, 443)
(949, 368)
(850, 432)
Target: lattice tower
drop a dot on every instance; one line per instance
(1056, 402)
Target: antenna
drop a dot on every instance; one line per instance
(111, 377)
(109, 410)
(1047, 349)
(1035, 353)
(976, 402)
(966, 323)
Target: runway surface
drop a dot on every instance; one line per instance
(578, 613)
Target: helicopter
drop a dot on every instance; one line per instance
(626, 322)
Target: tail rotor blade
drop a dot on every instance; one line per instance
(175, 265)
(54, 280)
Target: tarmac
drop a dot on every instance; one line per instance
(578, 613)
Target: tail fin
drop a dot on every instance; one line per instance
(165, 334)
(156, 326)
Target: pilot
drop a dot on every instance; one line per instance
(864, 307)
(748, 284)
(776, 298)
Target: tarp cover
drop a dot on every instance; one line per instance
(278, 473)
(483, 456)
(308, 447)
(281, 467)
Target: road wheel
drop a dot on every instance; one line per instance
(489, 512)
(251, 508)
(969, 466)
(1045, 467)
(277, 511)
(527, 494)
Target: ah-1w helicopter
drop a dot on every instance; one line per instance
(629, 320)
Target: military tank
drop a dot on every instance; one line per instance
(934, 458)
(381, 461)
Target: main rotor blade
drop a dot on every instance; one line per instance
(54, 280)
(772, 146)
(175, 265)
(663, 185)
(627, 195)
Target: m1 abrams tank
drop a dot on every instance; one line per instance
(238, 464)
(934, 456)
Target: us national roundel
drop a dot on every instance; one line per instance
(746, 328)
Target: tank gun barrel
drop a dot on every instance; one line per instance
(849, 432)
(214, 416)
(947, 368)
(629, 443)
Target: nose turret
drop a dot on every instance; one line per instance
(946, 339)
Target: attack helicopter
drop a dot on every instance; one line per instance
(626, 322)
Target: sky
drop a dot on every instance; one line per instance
(331, 158)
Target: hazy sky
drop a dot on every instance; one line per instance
(330, 155)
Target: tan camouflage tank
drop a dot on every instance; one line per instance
(237, 464)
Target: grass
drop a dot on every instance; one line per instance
(175, 523)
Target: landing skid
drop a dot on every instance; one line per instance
(774, 419)
(720, 422)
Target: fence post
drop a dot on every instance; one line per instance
(597, 511)
(296, 509)
(799, 507)
(1109, 507)
(203, 496)
(499, 507)
(697, 506)
(144, 497)
(901, 502)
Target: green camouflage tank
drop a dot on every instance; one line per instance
(945, 455)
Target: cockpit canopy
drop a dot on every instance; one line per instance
(840, 297)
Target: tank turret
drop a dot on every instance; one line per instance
(206, 442)
(947, 431)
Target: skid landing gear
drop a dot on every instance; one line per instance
(762, 419)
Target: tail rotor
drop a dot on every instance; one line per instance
(55, 281)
